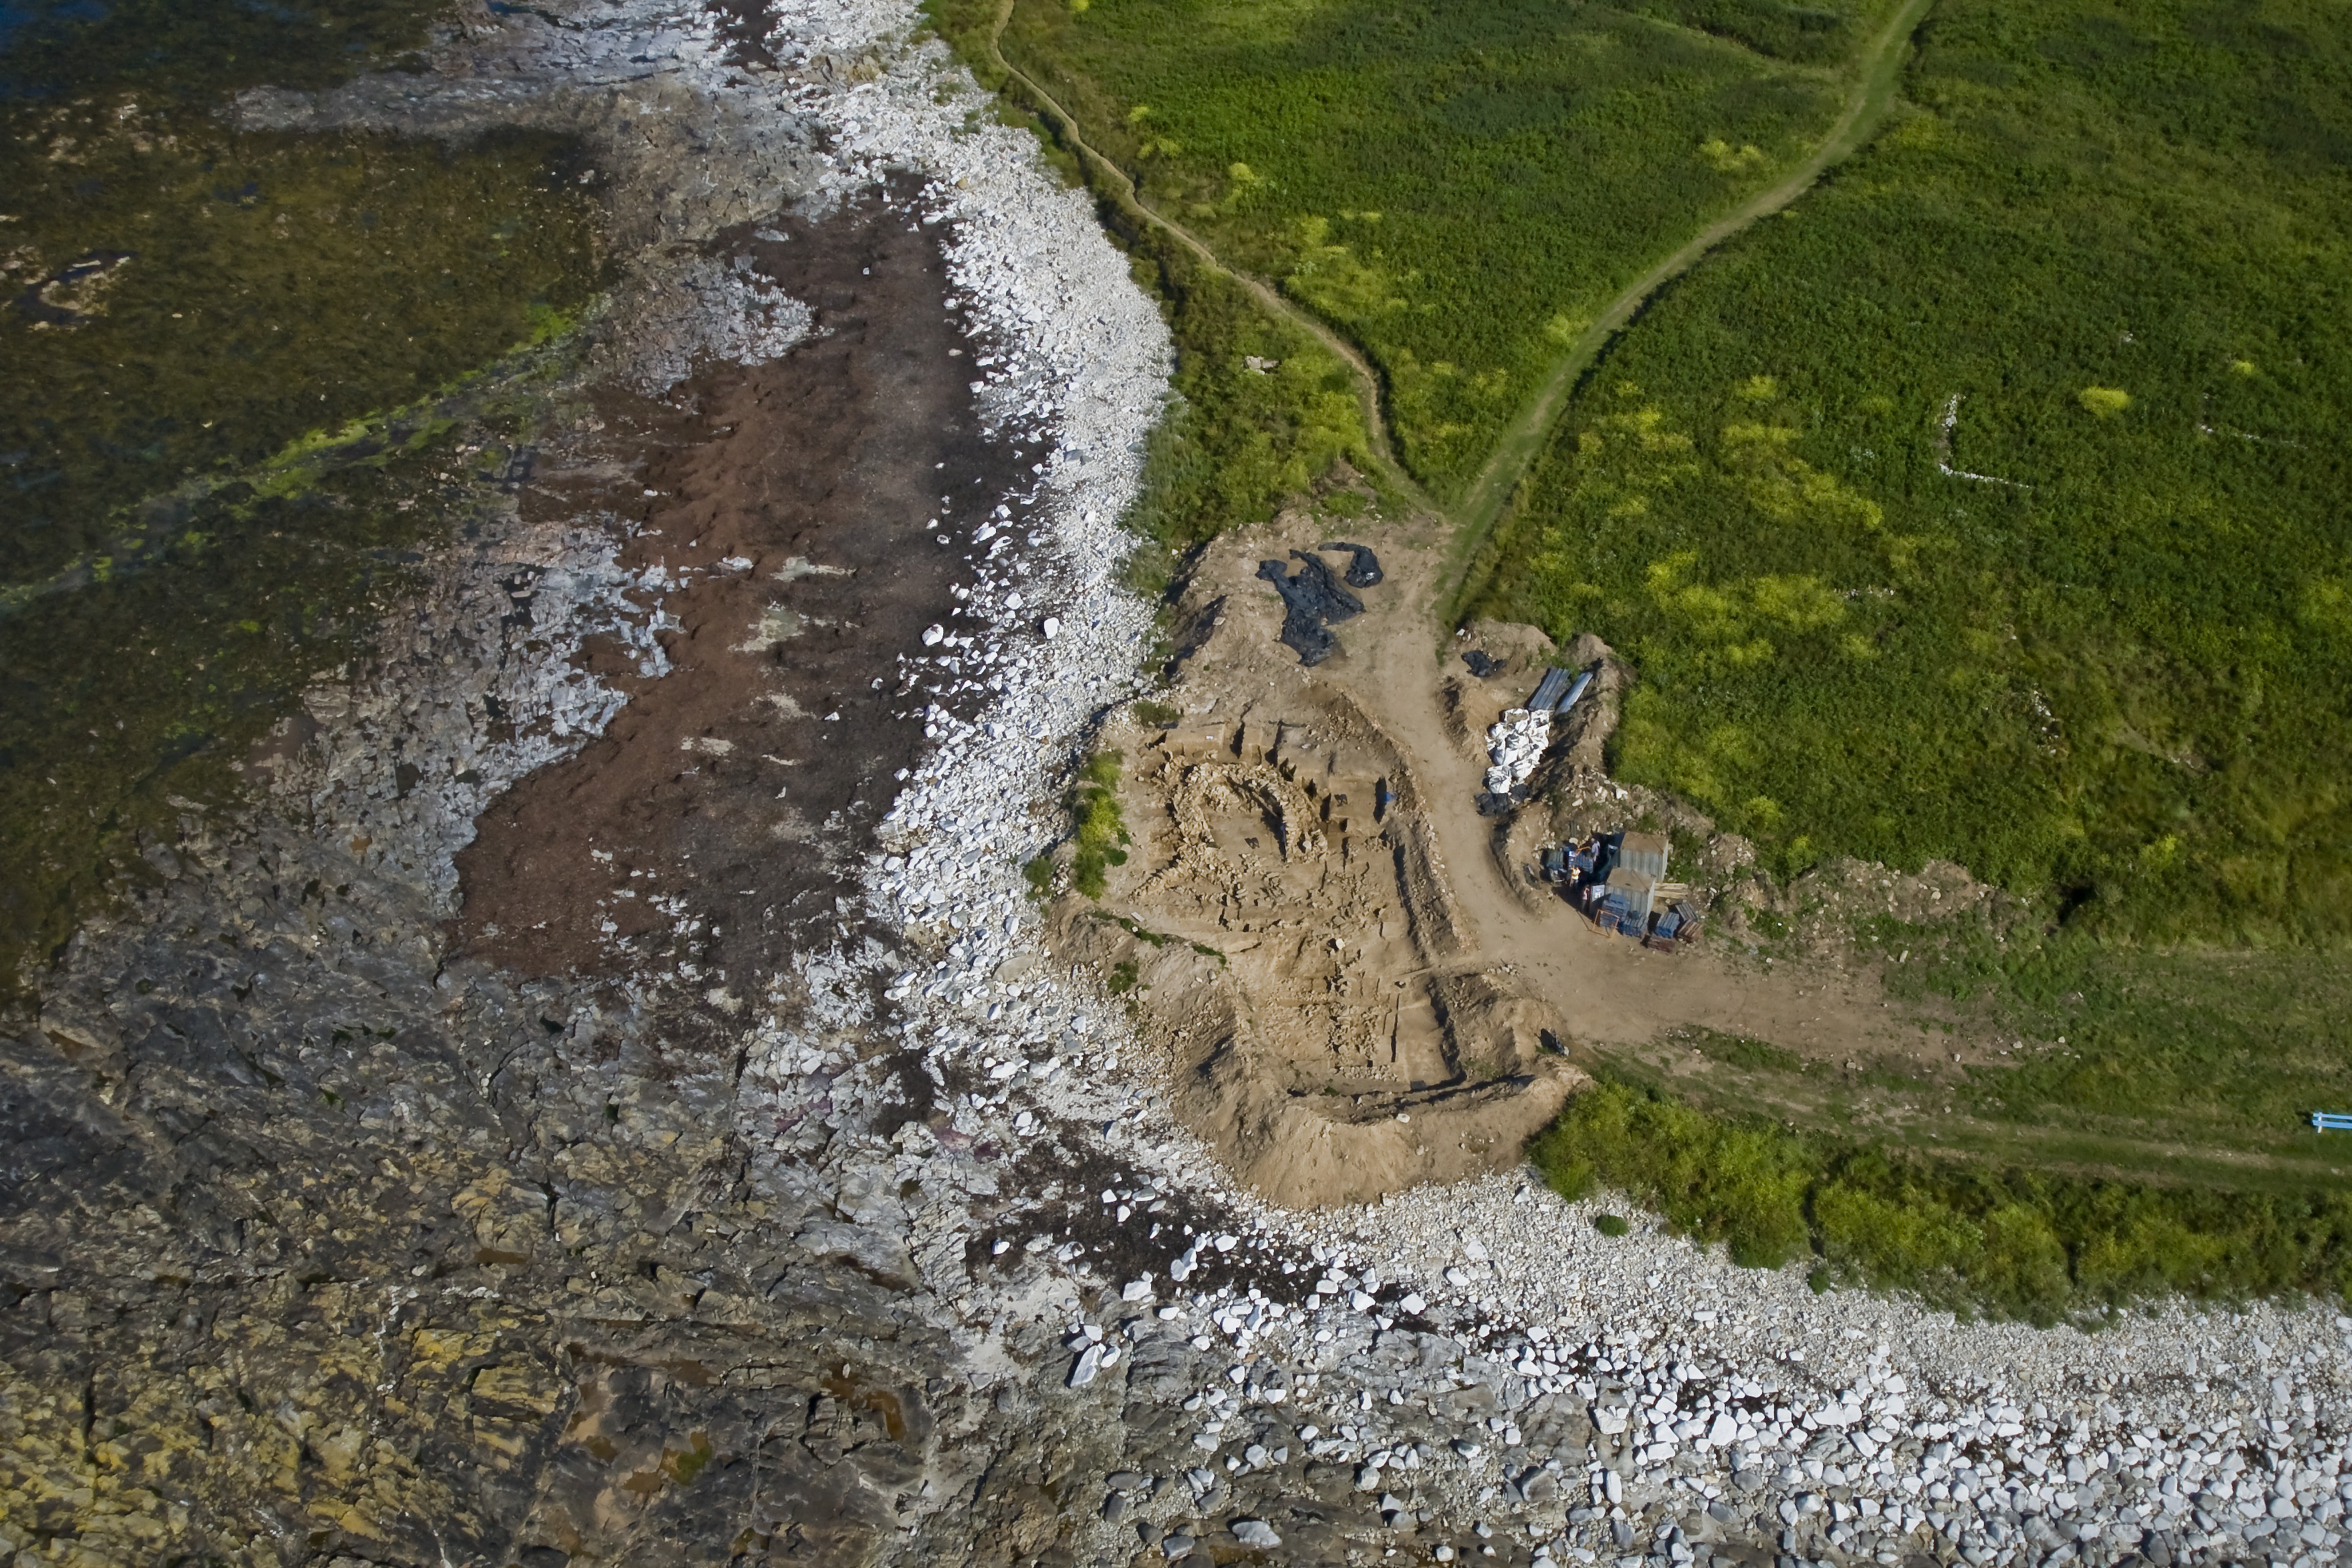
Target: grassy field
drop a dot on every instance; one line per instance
(1984, 504)
(1459, 190)
(1988, 506)
(2084, 629)
(2194, 1066)
(1977, 1237)
(240, 388)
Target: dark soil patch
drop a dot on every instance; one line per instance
(718, 822)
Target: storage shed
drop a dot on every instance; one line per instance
(1642, 853)
(1633, 866)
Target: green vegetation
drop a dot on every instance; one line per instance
(1094, 803)
(1611, 1224)
(2179, 1066)
(1791, 32)
(2149, 1058)
(1985, 508)
(1238, 442)
(209, 503)
(1460, 190)
(2015, 1243)
(273, 285)
(1038, 873)
(2110, 667)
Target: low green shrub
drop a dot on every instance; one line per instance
(1039, 875)
(1713, 1179)
(1101, 831)
(2010, 1243)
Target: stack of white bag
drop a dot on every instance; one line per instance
(1514, 746)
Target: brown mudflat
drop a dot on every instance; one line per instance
(795, 509)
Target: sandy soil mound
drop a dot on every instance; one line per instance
(1296, 945)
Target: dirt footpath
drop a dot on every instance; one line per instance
(1356, 984)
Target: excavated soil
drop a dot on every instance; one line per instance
(1358, 981)
(792, 512)
(1299, 955)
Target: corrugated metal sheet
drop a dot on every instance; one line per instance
(1548, 690)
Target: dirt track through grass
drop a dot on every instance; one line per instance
(1490, 493)
(1474, 517)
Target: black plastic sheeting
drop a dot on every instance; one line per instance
(1332, 600)
(1363, 566)
(1481, 663)
(1312, 599)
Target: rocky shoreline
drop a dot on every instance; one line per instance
(327, 1242)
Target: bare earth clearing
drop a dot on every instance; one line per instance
(1387, 994)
